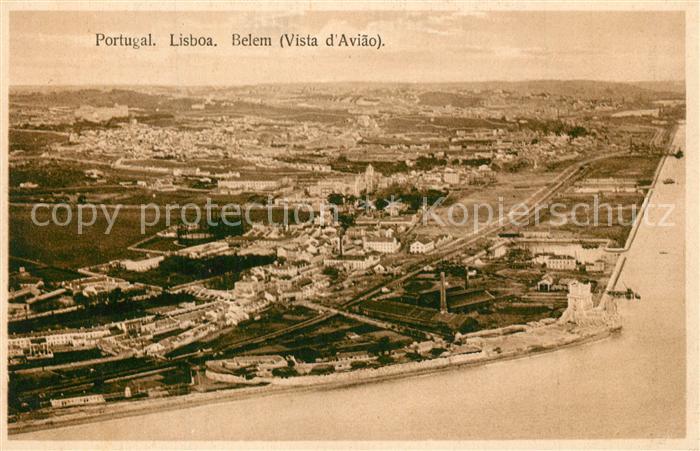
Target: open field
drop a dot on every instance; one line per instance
(64, 247)
(48, 174)
(34, 141)
(49, 274)
(606, 216)
(636, 167)
(471, 203)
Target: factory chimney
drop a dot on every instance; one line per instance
(443, 294)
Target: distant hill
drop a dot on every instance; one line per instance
(576, 88)
(435, 94)
(97, 97)
(675, 86)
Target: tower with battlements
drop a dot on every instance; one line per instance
(579, 303)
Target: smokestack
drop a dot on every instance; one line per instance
(443, 294)
(466, 277)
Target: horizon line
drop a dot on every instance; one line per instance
(328, 82)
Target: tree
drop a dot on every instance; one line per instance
(331, 272)
(336, 199)
(307, 354)
(285, 372)
(358, 364)
(577, 131)
(437, 352)
(323, 369)
(114, 296)
(385, 359)
(382, 346)
(81, 299)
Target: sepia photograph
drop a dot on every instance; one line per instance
(349, 225)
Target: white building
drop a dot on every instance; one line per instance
(141, 265)
(205, 250)
(596, 266)
(77, 401)
(561, 263)
(383, 245)
(248, 185)
(247, 288)
(77, 339)
(422, 246)
(352, 262)
(451, 178)
(606, 185)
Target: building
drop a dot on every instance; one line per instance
(76, 339)
(244, 369)
(422, 246)
(422, 348)
(247, 288)
(344, 360)
(606, 185)
(561, 263)
(379, 269)
(370, 179)
(77, 401)
(97, 115)
(352, 262)
(141, 265)
(264, 362)
(204, 250)
(596, 266)
(443, 239)
(17, 309)
(383, 245)
(46, 296)
(248, 185)
(545, 284)
(451, 178)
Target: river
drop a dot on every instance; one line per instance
(629, 386)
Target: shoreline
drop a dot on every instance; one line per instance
(340, 380)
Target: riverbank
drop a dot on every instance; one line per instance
(158, 406)
(92, 414)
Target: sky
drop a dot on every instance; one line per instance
(58, 48)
